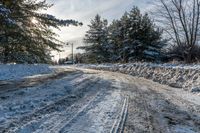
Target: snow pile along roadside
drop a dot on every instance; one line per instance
(178, 76)
(19, 71)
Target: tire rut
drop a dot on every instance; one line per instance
(165, 115)
(98, 105)
(141, 121)
(118, 125)
(64, 101)
(10, 86)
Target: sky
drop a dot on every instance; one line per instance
(85, 10)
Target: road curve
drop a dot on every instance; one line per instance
(91, 101)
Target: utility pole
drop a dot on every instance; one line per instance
(72, 53)
(72, 45)
(59, 54)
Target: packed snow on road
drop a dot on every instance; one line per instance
(82, 100)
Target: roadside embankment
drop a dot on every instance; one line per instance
(178, 76)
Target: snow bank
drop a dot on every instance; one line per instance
(9, 72)
(178, 76)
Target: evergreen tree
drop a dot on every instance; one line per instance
(115, 38)
(145, 37)
(118, 39)
(96, 40)
(133, 37)
(31, 38)
(6, 23)
(153, 43)
(137, 38)
(125, 47)
(4, 15)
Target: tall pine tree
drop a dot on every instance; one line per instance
(96, 41)
(137, 38)
(31, 38)
(115, 38)
(5, 23)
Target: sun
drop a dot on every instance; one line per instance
(34, 20)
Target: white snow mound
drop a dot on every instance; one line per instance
(178, 76)
(19, 71)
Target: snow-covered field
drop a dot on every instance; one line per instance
(18, 71)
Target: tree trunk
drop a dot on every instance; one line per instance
(189, 57)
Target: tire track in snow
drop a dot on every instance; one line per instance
(118, 125)
(89, 98)
(11, 86)
(142, 91)
(51, 107)
(98, 116)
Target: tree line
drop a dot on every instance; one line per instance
(133, 37)
(136, 37)
(172, 32)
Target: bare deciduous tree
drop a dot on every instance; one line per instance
(181, 20)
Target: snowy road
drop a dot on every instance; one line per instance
(90, 101)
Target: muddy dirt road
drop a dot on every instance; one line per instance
(90, 101)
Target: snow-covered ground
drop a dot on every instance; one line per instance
(165, 65)
(179, 76)
(18, 71)
(54, 106)
(85, 100)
